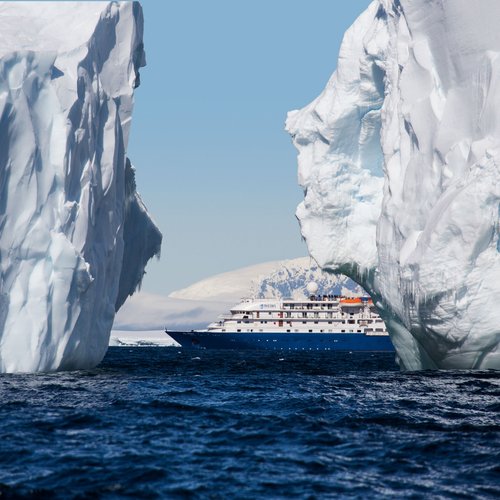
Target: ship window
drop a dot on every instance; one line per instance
(321, 331)
(288, 331)
(239, 321)
(359, 330)
(329, 322)
(343, 331)
(304, 322)
(351, 322)
(315, 322)
(238, 330)
(310, 331)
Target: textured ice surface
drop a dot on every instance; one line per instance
(399, 158)
(74, 235)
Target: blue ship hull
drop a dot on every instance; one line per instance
(284, 341)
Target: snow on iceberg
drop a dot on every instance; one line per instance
(74, 235)
(399, 158)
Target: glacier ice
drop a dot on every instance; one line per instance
(399, 159)
(74, 234)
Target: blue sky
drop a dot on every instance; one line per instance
(214, 165)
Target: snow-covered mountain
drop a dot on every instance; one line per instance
(290, 278)
(230, 286)
(74, 234)
(276, 279)
(399, 158)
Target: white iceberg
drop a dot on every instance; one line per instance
(399, 159)
(74, 234)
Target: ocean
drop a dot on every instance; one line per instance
(156, 422)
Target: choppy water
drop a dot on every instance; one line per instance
(166, 423)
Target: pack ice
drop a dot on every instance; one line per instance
(74, 234)
(399, 158)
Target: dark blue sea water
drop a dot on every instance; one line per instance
(167, 423)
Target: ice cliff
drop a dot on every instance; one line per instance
(74, 234)
(399, 158)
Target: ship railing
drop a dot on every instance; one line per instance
(225, 316)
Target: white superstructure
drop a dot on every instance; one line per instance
(319, 314)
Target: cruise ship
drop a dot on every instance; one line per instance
(321, 323)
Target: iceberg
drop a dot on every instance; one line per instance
(74, 234)
(399, 159)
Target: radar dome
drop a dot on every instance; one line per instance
(312, 287)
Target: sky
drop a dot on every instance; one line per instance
(213, 163)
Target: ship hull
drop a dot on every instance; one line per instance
(349, 342)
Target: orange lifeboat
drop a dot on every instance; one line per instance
(353, 301)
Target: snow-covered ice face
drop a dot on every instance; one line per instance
(340, 159)
(74, 234)
(399, 158)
